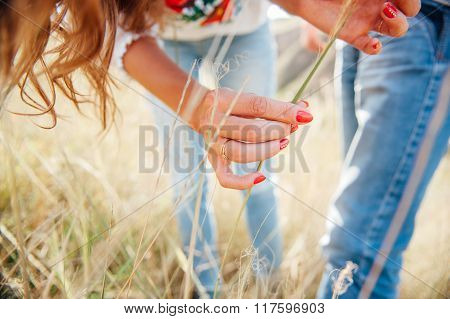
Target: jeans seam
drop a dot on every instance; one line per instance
(398, 171)
(397, 176)
(431, 33)
(442, 43)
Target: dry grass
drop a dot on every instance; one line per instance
(68, 185)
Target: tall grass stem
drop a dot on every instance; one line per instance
(344, 15)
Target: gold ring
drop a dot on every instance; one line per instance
(379, 26)
(223, 150)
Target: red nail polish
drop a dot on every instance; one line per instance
(259, 179)
(294, 128)
(390, 10)
(304, 117)
(284, 143)
(375, 46)
(306, 102)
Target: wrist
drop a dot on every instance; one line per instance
(196, 105)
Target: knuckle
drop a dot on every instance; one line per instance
(285, 108)
(258, 105)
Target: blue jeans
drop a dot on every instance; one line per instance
(252, 55)
(395, 112)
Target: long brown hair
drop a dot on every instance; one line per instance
(84, 36)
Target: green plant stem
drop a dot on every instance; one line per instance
(339, 25)
(314, 69)
(296, 98)
(308, 79)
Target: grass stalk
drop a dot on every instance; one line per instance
(107, 259)
(144, 230)
(15, 206)
(344, 15)
(192, 244)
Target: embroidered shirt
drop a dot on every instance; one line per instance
(200, 19)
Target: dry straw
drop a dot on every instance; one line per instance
(347, 9)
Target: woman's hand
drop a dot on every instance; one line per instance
(245, 128)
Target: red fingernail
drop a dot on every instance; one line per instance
(284, 143)
(294, 128)
(390, 10)
(375, 46)
(306, 102)
(304, 117)
(259, 179)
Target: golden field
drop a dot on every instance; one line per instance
(61, 190)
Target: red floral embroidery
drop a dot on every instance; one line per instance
(222, 13)
(200, 11)
(177, 5)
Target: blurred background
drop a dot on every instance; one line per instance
(73, 201)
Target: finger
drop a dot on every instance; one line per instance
(228, 179)
(254, 130)
(254, 106)
(240, 152)
(410, 8)
(368, 45)
(263, 107)
(394, 22)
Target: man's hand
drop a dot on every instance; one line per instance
(387, 18)
(312, 38)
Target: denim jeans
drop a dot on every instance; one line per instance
(396, 126)
(252, 55)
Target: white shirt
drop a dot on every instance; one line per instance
(247, 16)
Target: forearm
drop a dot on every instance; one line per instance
(145, 62)
(291, 6)
(322, 14)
